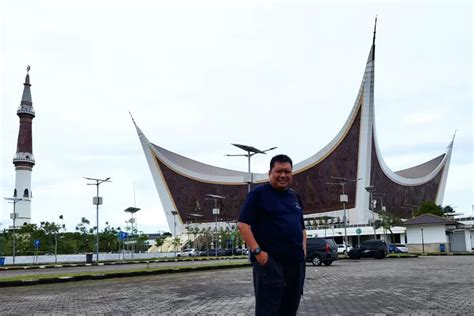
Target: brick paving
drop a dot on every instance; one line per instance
(418, 286)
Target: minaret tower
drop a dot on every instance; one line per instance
(24, 159)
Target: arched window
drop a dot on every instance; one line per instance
(14, 193)
(26, 193)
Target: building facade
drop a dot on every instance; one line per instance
(363, 184)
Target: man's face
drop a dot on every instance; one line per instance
(280, 175)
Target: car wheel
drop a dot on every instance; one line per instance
(327, 263)
(344, 252)
(316, 261)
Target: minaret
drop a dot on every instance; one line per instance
(24, 159)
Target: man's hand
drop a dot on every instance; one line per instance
(262, 258)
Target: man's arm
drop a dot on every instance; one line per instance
(304, 242)
(249, 239)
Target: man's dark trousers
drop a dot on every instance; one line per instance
(278, 287)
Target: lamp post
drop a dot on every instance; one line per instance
(250, 152)
(383, 211)
(97, 201)
(411, 206)
(13, 216)
(422, 242)
(216, 212)
(56, 239)
(344, 198)
(174, 231)
(372, 203)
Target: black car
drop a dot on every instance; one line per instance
(213, 252)
(373, 248)
(321, 250)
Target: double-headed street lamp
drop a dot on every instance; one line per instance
(97, 201)
(13, 216)
(371, 190)
(215, 211)
(250, 152)
(344, 198)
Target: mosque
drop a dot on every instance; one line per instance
(346, 182)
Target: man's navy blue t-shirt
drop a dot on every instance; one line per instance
(276, 220)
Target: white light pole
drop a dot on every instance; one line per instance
(13, 216)
(372, 203)
(250, 152)
(97, 201)
(215, 211)
(344, 198)
(174, 232)
(56, 229)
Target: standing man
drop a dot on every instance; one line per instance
(272, 226)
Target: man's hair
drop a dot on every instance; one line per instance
(281, 159)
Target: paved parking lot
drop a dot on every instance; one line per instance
(420, 286)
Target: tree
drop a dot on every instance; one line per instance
(387, 221)
(429, 207)
(160, 241)
(108, 239)
(50, 230)
(448, 210)
(83, 227)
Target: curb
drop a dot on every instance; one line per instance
(103, 263)
(89, 277)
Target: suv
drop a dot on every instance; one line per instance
(373, 248)
(343, 248)
(321, 250)
(190, 252)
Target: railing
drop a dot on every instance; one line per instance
(24, 157)
(25, 109)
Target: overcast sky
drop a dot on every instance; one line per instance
(198, 76)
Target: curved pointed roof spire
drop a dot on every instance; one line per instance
(373, 40)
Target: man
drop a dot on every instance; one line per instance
(272, 226)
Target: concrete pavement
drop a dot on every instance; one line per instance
(418, 286)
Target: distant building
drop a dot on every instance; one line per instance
(24, 159)
(351, 161)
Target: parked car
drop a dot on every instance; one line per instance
(374, 248)
(213, 252)
(397, 248)
(241, 251)
(344, 249)
(321, 250)
(191, 252)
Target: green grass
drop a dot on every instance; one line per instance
(123, 272)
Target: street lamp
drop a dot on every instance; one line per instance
(96, 201)
(344, 198)
(422, 242)
(56, 228)
(215, 211)
(371, 189)
(411, 206)
(174, 232)
(250, 152)
(13, 216)
(133, 220)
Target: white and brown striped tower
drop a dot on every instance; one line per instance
(24, 159)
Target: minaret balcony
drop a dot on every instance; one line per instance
(24, 157)
(22, 109)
